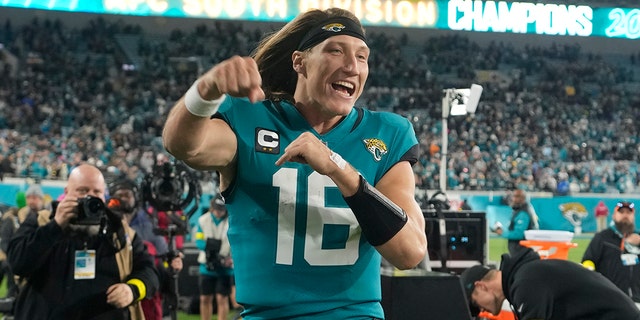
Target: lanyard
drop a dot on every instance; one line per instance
(622, 237)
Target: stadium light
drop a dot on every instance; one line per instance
(455, 102)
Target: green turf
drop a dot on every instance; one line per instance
(498, 246)
(184, 316)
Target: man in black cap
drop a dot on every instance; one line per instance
(546, 289)
(613, 252)
(168, 262)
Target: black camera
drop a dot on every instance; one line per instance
(90, 211)
(172, 187)
(212, 251)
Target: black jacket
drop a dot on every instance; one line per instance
(561, 290)
(604, 250)
(45, 256)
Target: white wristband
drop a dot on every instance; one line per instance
(198, 106)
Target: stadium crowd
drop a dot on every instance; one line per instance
(552, 117)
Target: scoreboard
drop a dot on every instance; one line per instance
(457, 15)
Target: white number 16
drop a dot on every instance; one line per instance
(318, 216)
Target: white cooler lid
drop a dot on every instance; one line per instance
(548, 235)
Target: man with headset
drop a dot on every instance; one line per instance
(126, 191)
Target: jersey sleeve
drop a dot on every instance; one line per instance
(404, 146)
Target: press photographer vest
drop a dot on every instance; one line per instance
(124, 257)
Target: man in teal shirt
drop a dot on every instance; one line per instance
(522, 219)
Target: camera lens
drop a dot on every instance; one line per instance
(90, 210)
(166, 188)
(95, 205)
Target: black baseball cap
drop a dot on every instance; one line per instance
(468, 279)
(123, 184)
(625, 204)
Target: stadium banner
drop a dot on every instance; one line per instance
(567, 213)
(554, 212)
(457, 15)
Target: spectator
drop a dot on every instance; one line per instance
(530, 89)
(216, 264)
(72, 270)
(8, 225)
(35, 204)
(465, 205)
(613, 252)
(21, 200)
(6, 167)
(166, 220)
(601, 213)
(317, 159)
(522, 218)
(551, 289)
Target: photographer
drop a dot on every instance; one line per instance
(216, 266)
(167, 262)
(83, 264)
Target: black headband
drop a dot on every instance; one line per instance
(328, 28)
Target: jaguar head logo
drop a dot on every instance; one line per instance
(333, 27)
(574, 212)
(377, 148)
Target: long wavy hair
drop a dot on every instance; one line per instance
(273, 53)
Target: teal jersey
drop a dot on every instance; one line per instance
(297, 247)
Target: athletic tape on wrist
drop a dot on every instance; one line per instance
(337, 159)
(380, 219)
(198, 106)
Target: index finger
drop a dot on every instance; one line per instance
(284, 158)
(256, 94)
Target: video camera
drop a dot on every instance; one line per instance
(212, 253)
(172, 187)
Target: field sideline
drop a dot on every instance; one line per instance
(497, 246)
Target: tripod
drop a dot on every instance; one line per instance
(171, 298)
(438, 205)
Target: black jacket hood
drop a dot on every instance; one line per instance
(510, 264)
